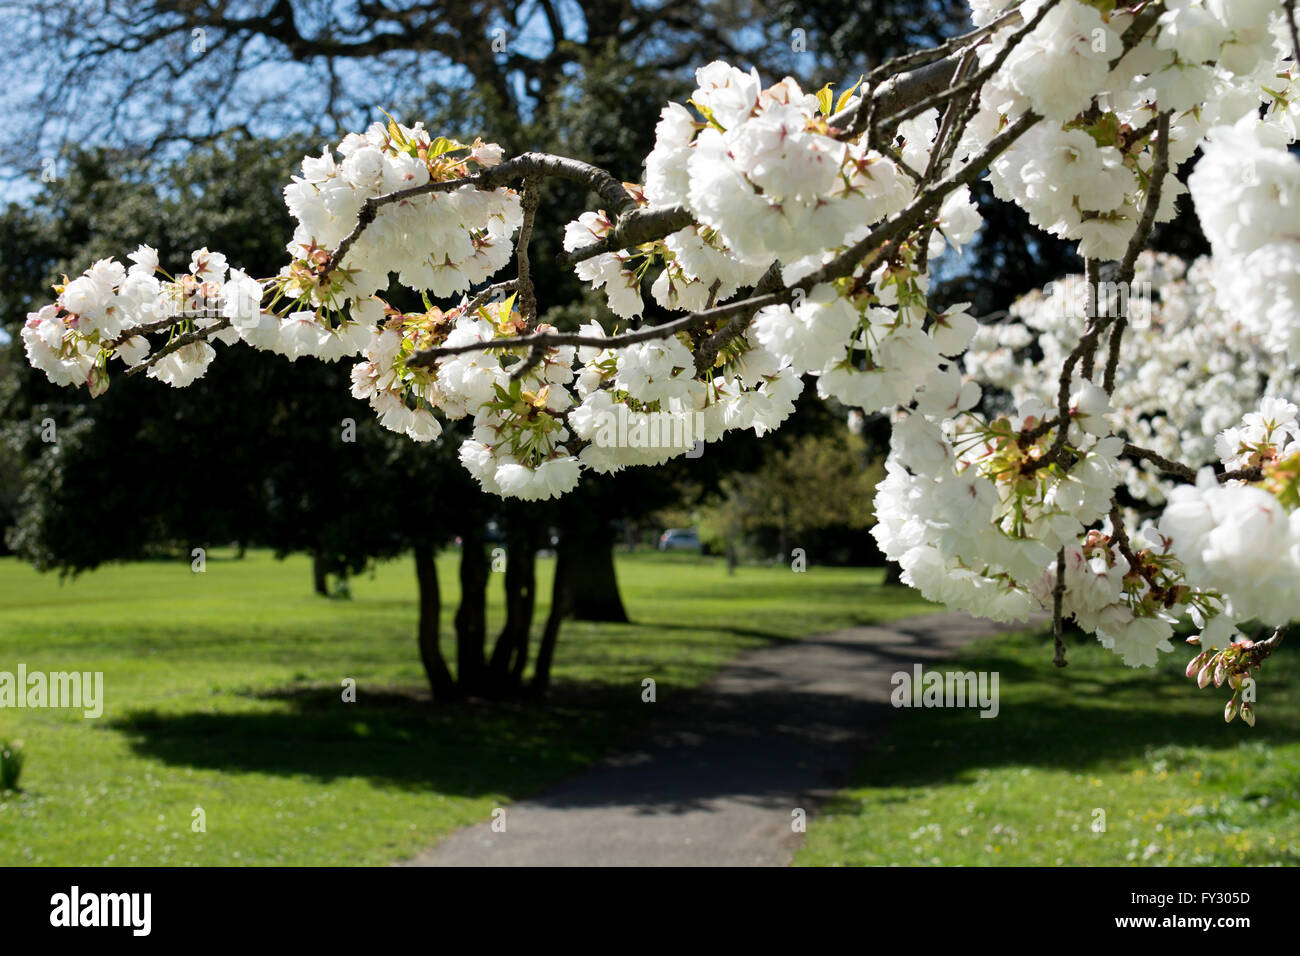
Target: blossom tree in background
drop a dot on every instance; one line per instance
(793, 233)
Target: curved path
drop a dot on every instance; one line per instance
(777, 730)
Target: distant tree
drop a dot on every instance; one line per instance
(818, 483)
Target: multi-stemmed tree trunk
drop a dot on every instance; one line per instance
(560, 606)
(478, 674)
(510, 656)
(471, 615)
(501, 675)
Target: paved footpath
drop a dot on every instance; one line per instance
(715, 784)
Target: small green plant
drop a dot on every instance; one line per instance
(11, 764)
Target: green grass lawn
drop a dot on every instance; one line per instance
(223, 691)
(1176, 784)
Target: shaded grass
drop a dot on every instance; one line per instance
(1146, 748)
(223, 693)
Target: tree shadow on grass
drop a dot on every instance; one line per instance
(693, 748)
(393, 736)
(1088, 717)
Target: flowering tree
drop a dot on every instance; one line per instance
(793, 232)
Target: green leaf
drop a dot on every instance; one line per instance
(394, 131)
(843, 101)
(826, 99)
(708, 115)
(443, 145)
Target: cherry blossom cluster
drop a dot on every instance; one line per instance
(1242, 538)
(763, 170)
(1190, 368)
(1084, 173)
(440, 242)
(106, 312)
(1247, 193)
(975, 509)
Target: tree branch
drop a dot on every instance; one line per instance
(1166, 465)
(178, 343)
(523, 166)
(633, 229)
(524, 281)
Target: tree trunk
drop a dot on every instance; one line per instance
(319, 574)
(893, 573)
(559, 608)
(510, 655)
(471, 616)
(525, 598)
(591, 583)
(435, 666)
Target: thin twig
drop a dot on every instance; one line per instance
(176, 344)
(1166, 465)
(708, 350)
(526, 365)
(1058, 595)
(1086, 346)
(1187, 473)
(487, 295)
(1092, 279)
(637, 227)
(900, 88)
(1137, 242)
(159, 325)
(551, 339)
(1295, 35)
